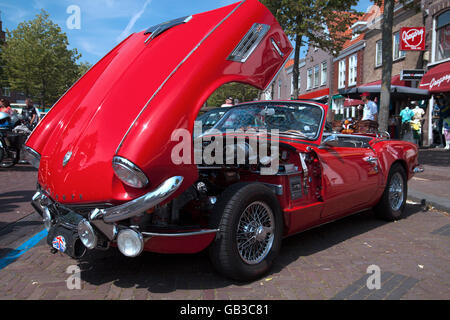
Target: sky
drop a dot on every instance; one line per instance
(102, 24)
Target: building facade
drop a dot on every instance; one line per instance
(316, 75)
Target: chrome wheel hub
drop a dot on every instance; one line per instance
(255, 232)
(396, 193)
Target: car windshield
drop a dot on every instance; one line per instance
(295, 119)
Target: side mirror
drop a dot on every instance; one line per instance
(331, 141)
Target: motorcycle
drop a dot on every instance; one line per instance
(13, 134)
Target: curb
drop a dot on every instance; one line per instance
(437, 202)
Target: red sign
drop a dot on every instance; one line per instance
(412, 39)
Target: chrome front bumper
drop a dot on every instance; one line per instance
(105, 220)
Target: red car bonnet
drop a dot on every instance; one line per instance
(133, 99)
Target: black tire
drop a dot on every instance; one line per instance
(392, 203)
(237, 200)
(2, 154)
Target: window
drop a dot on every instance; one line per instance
(324, 75)
(442, 45)
(309, 79)
(378, 54)
(341, 81)
(316, 76)
(352, 69)
(397, 54)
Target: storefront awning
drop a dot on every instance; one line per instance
(315, 95)
(352, 102)
(397, 92)
(437, 79)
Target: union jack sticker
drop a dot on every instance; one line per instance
(59, 243)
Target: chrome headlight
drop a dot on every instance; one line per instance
(32, 157)
(129, 173)
(130, 242)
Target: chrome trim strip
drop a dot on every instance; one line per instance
(139, 205)
(277, 48)
(181, 234)
(174, 71)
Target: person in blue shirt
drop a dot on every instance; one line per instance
(407, 114)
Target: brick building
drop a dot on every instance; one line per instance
(316, 75)
(437, 50)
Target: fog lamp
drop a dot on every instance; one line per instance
(87, 234)
(130, 242)
(47, 218)
(129, 173)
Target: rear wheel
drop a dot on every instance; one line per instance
(251, 228)
(393, 201)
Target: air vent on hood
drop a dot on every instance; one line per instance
(160, 28)
(249, 43)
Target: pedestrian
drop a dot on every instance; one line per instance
(370, 109)
(407, 114)
(30, 113)
(447, 133)
(5, 107)
(228, 102)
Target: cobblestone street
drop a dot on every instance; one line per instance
(324, 263)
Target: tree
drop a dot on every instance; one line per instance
(235, 90)
(386, 56)
(37, 60)
(321, 23)
(83, 67)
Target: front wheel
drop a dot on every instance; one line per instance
(251, 227)
(393, 201)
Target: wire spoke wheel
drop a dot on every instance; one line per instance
(255, 232)
(396, 194)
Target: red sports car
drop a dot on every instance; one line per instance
(118, 165)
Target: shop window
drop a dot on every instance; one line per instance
(442, 45)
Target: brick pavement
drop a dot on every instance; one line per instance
(318, 264)
(323, 263)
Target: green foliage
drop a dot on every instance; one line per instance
(319, 22)
(239, 91)
(37, 60)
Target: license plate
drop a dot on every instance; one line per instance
(59, 243)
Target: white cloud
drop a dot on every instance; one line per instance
(133, 20)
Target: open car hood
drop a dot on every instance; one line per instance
(151, 84)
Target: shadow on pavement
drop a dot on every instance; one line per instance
(9, 200)
(161, 273)
(20, 168)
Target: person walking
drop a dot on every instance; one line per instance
(370, 109)
(30, 113)
(5, 107)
